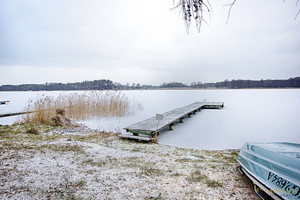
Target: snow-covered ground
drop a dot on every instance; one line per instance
(78, 163)
(258, 115)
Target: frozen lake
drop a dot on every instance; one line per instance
(258, 115)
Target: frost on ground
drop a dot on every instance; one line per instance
(78, 163)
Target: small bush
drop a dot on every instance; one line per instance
(56, 121)
(60, 119)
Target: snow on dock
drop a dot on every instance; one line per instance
(151, 127)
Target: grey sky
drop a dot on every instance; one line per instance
(143, 41)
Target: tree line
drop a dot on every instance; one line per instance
(238, 84)
(110, 85)
(85, 85)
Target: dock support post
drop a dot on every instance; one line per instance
(181, 120)
(155, 137)
(190, 115)
(171, 126)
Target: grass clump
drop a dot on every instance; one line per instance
(198, 177)
(21, 133)
(63, 148)
(94, 163)
(198, 156)
(100, 163)
(32, 130)
(213, 183)
(226, 157)
(5, 131)
(59, 110)
(150, 171)
(184, 160)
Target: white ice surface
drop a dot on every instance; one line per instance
(256, 115)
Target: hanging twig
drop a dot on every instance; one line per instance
(298, 10)
(297, 14)
(229, 10)
(193, 9)
(196, 9)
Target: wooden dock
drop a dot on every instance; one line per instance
(25, 112)
(15, 113)
(151, 127)
(4, 102)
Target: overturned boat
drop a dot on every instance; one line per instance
(274, 169)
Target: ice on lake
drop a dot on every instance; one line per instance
(257, 115)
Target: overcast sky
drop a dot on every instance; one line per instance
(144, 41)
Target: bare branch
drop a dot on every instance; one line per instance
(193, 9)
(175, 7)
(297, 14)
(229, 10)
(199, 9)
(298, 10)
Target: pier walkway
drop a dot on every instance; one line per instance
(148, 130)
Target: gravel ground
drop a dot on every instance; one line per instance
(79, 163)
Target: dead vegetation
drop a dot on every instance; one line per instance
(63, 109)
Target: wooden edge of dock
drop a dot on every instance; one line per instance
(139, 138)
(24, 112)
(15, 113)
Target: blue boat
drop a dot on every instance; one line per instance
(274, 168)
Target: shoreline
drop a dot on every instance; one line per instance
(155, 89)
(77, 162)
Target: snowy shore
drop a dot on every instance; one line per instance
(79, 163)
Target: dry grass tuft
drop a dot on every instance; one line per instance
(57, 111)
(32, 130)
(198, 176)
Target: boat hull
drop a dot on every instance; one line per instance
(273, 167)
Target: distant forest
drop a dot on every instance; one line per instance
(110, 85)
(237, 84)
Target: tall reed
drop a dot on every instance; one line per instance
(82, 106)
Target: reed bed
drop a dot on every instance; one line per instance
(87, 105)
